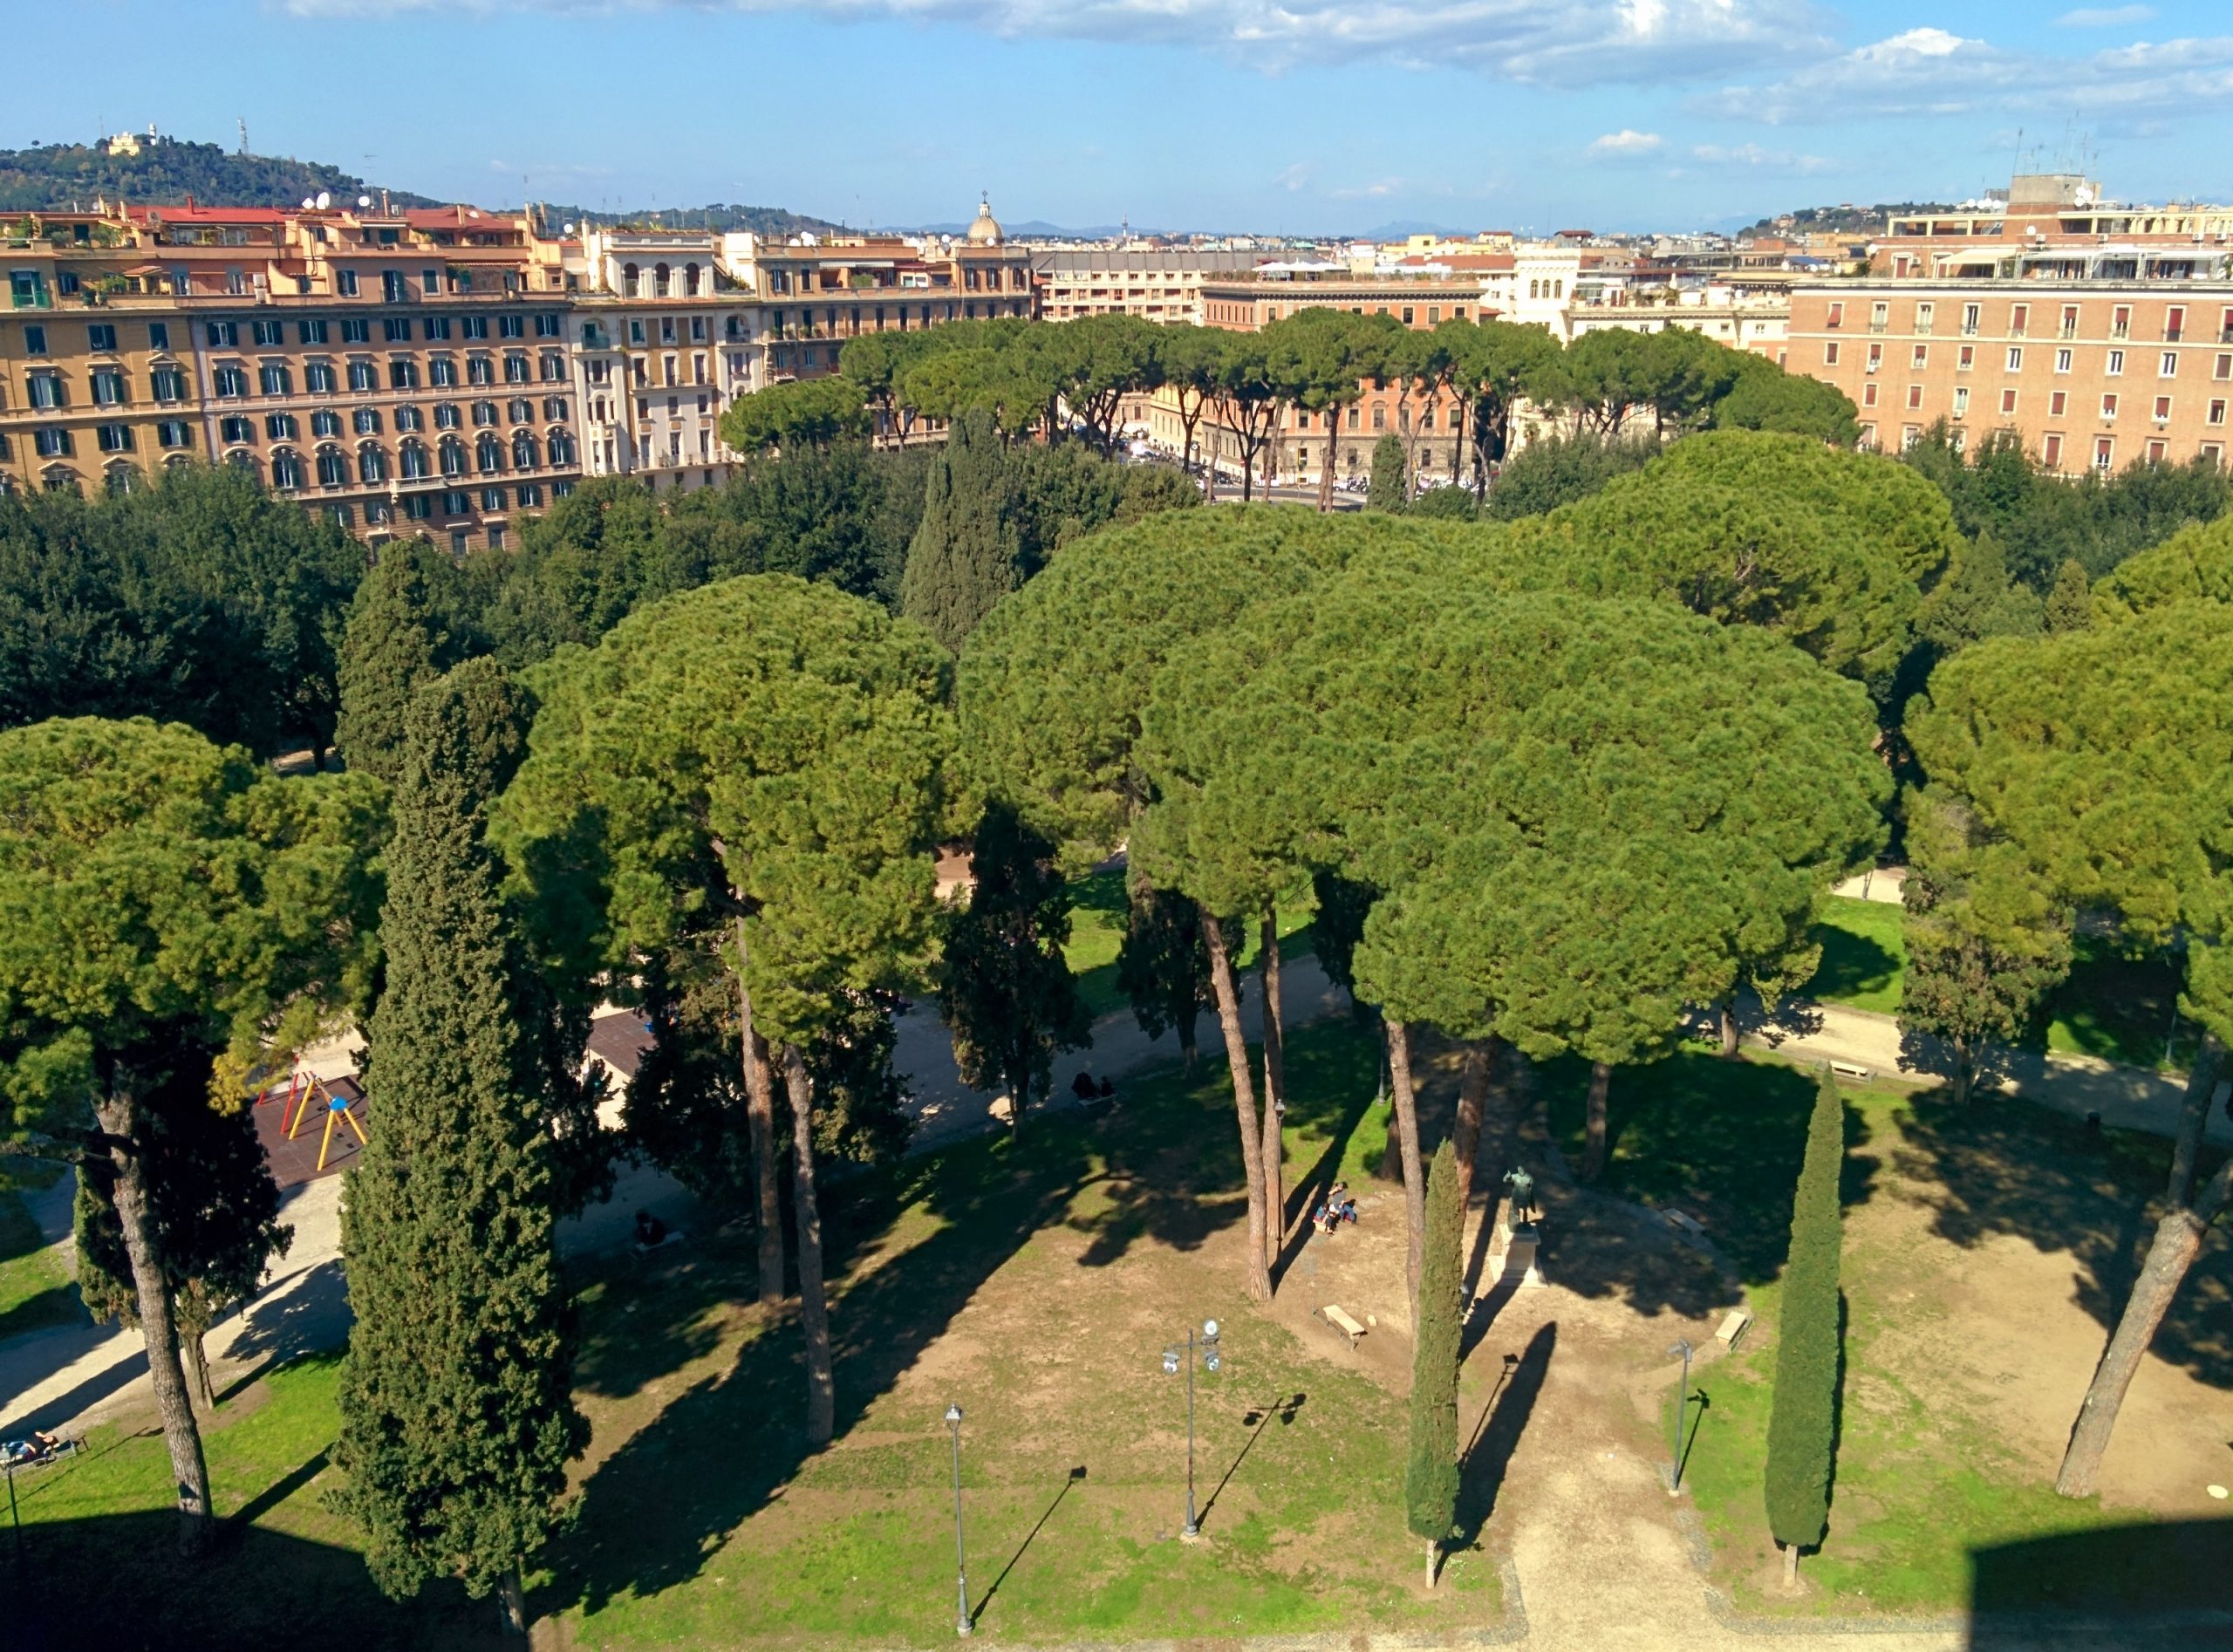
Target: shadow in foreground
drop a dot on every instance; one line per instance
(1481, 1475)
(2157, 1584)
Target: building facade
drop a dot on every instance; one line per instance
(1156, 284)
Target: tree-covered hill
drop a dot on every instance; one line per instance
(1847, 220)
(165, 172)
(763, 221)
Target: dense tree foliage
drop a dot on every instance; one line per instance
(403, 632)
(1803, 1421)
(457, 1420)
(1558, 468)
(200, 600)
(803, 413)
(169, 913)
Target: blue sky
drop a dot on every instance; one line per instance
(1295, 115)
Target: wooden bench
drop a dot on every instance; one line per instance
(1732, 1326)
(1342, 1322)
(1687, 1226)
(1848, 1070)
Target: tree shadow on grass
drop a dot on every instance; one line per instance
(1998, 1167)
(1487, 1461)
(2157, 1567)
(656, 1510)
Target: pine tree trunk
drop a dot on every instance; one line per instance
(1415, 1174)
(511, 1600)
(1472, 1103)
(1243, 1101)
(813, 1306)
(1432, 1548)
(1275, 1090)
(197, 1369)
(2178, 1241)
(1791, 1565)
(1729, 1030)
(1964, 1071)
(118, 1115)
(759, 1119)
(2193, 1119)
(1593, 1153)
(1326, 470)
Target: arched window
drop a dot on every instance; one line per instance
(628, 281)
(562, 447)
(453, 456)
(489, 454)
(658, 281)
(119, 477)
(286, 469)
(371, 463)
(1534, 289)
(332, 468)
(413, 457)
(690, 279)
(523, 457)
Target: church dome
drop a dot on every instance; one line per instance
(986, 230)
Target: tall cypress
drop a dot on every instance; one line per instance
(1391, 487)
(1430, 1473)
(457, 1414)
(966, 553)
(1802, 1426)
(397, 640)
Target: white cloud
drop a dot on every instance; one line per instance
(2104, 17)
(1626, 142)
(1293, 177)
(1750, 155)
(1932, 71)
(1552, 42)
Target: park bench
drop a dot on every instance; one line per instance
(1732, 1326)
(1342, 1322)
(1848, 1070)
(1688, 1226)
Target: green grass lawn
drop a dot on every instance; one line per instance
(1863, 955)
(1932, 1508)
(1097, 931)
(36, 1289)
(1035, 1282)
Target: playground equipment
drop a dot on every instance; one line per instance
(304, 1089)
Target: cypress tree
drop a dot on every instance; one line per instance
(1803, 1423)
(1390, 488)
(1431, 1474)
(967, 552)
(457, 1416)
(2070, 604)
(1162, 964)
(395, 642)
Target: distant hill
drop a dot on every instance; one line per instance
(165, 172)
(1839, 221)
(761, 221)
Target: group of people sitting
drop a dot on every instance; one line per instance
(37, 1448)
(1335, 1209)
(1085, 1090)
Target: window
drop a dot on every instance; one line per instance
(2174, 325)
(172, 433)
(554, 367)
(1836, 317)
(697, 324)
(457, 502)
(2109, 405)
(515, 370)
(100, 338)
(2056, 403)
(413, 461)
(2051, 453)
(453, 456)
(1924, 313)
(366, 421)
(313, 332)
(446, 415)
(565, 489)
(286, 469)
(1869, 394)
(441, 371)
(546, 326)
(2007, 403)
(281, 427)
(554, 407)
(1922, 358)
(2019, 318)
(2062, 361)
(269, 333)
(2212, 453)
(1875, 357)
(345, 284)
(371, 463)
(158, 335)
(1969, 319)
(479, 369)
(492, 499)
(108, 388)
(2120, 321)
(2156, 452)
(2015, 359)
(318, 377)
(2224, 368)
(531, 494)
(235, 429)
(2162, 410)
(472, 327)
(332, 468)
(410, 419)
(391, 286)
(276, 379)
(1914, 397)
(50, 442)
(1966, 359)
(430, 282)
(341, 515)
(363, 376)
(562, 453)
(229, 381)
(356, 330)
(635, 329)
(519, 410)
(2116, 365)
(524, 456)
(460, 541)
(1880, 315)
(402, 373)
(2217, 413)
(221, 335)
(509, 327)
(418, 507)
(113, 439)
(2069, 321)
(2167, 366)
(2104, 452)
(1961, 402)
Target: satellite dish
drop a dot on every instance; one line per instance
(568, 230)
(308, 201)
(324, 199)
(364, 201)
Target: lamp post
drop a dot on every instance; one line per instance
(1205, 1345)
(960, 1564)
(1682, 1405)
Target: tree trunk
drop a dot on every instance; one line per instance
(119, 1116)
(1244, 1101)
(1966, 1070)
(2194, 1117)
(1019, 1093)
(2178, 1241)
(1593, 1153)
(1326, 470)
(1791, 1565)
(760, 1118)
(511, 1600)
(1728, 1029)
(1407, 1135)
(813, 1306)
(1433, 1547)
(1472, 1102)
(1275, 1092)
(1189, 1041)
(197, 1369)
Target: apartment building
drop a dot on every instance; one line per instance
(1156, 284)
(1422, 300)
(2089, 372)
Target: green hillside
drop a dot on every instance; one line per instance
(166, 171)
(763, 221)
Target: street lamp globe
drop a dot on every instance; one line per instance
(1170, 1363)
(1209, 1328)
(953, 1414)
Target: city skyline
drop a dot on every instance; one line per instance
(1650, 114)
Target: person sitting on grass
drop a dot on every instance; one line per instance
(1082, 1088)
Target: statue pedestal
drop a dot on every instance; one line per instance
(1512, 1255)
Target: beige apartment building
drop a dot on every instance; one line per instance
(1156, 284)
(2090, 373)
